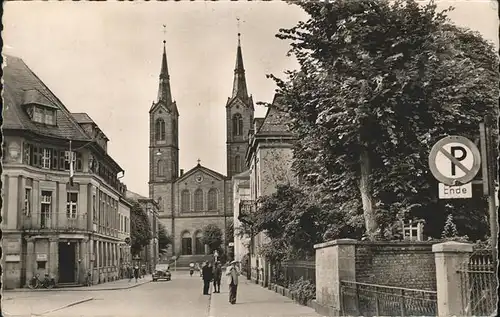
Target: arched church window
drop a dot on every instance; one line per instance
(185, 201)
(160, 168)
(212, 199)
(237, 124)
(198, 200)
(237, 164)
(199, 247)
(160, 130)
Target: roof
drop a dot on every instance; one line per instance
(23, 87)
(135, 196)
(82, 118)
(202, 168)
(275, 121)
(243, 175)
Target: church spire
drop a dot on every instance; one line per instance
(164, 93)
(239, 83)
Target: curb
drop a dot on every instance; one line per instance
(27, 290)
(65, 306)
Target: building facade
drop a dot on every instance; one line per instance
(269, 158)
(61, 209)
(201, 196)
(150, 255)
(241, 194)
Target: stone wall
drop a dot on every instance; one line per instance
(401, 264)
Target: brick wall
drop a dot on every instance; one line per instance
(401, 264)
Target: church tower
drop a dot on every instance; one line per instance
(163, 143)
(239, 118)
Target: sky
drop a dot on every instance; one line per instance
(104, 58)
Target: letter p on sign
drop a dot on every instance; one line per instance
(454, 160)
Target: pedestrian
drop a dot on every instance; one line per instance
(129, 272)
(136, 272)
(217, 277)
(207, 276)
(232, 273)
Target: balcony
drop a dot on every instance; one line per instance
(55, 222)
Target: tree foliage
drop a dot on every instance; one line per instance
(212, 236)
(164, 239)
(292, 222)
(379, 83)
(229, 234)
(140, 229)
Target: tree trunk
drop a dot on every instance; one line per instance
(365, 189)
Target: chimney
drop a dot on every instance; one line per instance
(182, 172)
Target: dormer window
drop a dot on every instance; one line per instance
(39, 108)
(43, 115)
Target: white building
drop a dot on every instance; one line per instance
(241, 193)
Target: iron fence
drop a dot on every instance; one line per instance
(288, 272)
(479, 284)
(363, 299)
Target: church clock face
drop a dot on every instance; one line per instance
(199, 178)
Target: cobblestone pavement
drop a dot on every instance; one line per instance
(181, 297)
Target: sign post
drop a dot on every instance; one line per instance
(454, 160)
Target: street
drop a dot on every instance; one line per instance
(181, 297)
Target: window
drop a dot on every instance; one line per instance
(43, 115)
(185, 201)
(94, 208)
(46, 158)
(72, 205)
(237, 164)
(40, 265)
(38, 115)
(160, 168)
(212, 199)
(27, 202)
(237, 124)
(45, 210)
(28, 152)
(160, 130)
(198, 200)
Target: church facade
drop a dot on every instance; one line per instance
(191, 200)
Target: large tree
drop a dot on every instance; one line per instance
(212, 236)
(140, 228)
(164, 239)
(379, 83)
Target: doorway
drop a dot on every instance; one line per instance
(67, 262)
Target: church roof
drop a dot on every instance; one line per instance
(22, 87)
(200, 167)
(164, 91)
(239, 82)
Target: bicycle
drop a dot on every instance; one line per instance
(36, 283)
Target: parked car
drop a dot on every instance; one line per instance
(162, 272)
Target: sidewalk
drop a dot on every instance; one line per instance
(109, 286)
(255, 301)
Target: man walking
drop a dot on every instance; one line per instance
(207, 275)
(232, 273)
(217, 277)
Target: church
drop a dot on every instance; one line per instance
(200, 196)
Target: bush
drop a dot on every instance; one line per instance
(303, 291)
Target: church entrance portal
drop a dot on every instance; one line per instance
(187, 247)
